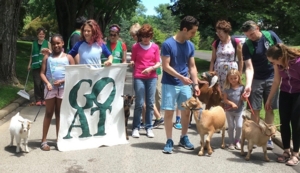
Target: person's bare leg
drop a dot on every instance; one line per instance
(269, 117)
(185, 120)
(168, 123)
(48, 117)
(255, 117)
(156, 112)
(57, 115)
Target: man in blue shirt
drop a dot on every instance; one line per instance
(177, 54)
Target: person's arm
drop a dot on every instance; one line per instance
(193, 72)
(107, 54)
(124, 50)
(274, 88)
(249, 77)
(156, 65)
(226, 101)
(43, 72)
(240, 57)
(30, 59)
(49, 46)
(213, 57)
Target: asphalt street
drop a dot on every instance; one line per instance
(143, 155)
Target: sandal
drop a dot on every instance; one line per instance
(284, 157)
(45, 146)
(293, 161)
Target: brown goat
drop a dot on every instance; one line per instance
(207, 122)
(256, 135)
(128, 101)
(210, 90)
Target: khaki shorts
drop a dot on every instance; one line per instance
(259, 94)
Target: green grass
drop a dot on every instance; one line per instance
(8, 93)
(203, 65)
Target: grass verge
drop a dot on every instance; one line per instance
(8, 93)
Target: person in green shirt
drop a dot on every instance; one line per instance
(115, 45)
(35, 63)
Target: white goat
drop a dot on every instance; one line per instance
(19, 128)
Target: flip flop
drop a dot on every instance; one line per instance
(45, 146)
(293, 161)
(284, 157)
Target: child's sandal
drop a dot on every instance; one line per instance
(284, 157)
(45, 146)
(293, 161)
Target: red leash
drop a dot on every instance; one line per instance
(252, 112)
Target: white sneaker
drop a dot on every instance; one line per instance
(238, 146)
(150, 133)
(135, 133)
(270, 145)
(231, 147)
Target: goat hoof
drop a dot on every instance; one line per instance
(200, 153)
(127, 138)
(223, 146)
(210, 152)
(267, 160)
(247, 158)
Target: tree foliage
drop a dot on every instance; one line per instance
(279, 15)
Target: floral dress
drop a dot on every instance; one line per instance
(224, 61)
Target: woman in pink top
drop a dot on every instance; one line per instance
(146, 59)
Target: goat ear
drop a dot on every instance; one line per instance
(213, 81)
(277, 125)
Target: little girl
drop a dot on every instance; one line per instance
(53, 75)
(232, 96)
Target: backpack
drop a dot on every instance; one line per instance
(233, 42)
(267, 34)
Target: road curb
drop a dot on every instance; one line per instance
(14, 105)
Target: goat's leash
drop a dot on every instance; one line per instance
(252, 112)
(40, 108)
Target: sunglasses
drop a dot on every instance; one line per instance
(145, 36)
(113, 35)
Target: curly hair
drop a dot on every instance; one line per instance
(283, 53)
(224, 25)
(146, 29)
(96, 32)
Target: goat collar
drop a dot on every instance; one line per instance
(269, 135)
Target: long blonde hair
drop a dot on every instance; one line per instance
(230, 72)
(283, 53)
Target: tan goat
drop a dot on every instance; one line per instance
(207, 121)
(256, 135)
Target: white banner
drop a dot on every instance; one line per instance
(92, 108)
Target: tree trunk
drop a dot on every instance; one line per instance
(9, 16)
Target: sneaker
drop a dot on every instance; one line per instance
(231, 147)
(168, 149)
(185, 143)
(158, 122)
(38, 103)
(150, 133)
(270, 145)
(135, 133)
(142, 126)
(238, 146)
(177, 126)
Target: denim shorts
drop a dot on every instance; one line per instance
(55, 92)
(172, 95)
(259, 94)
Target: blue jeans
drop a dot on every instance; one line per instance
(144, 92)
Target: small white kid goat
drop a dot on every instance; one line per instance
(20, 129)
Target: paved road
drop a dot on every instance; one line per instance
(143, 155)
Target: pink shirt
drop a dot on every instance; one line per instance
(144, 59)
